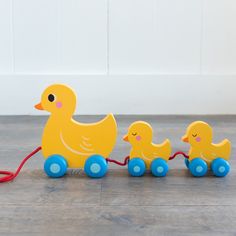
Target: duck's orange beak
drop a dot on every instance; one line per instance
(185, 138)
(125, 138)
(39, 106)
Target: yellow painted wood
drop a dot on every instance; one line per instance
(140, 136)
(73, 140)
(199, 135)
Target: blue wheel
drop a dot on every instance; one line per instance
(198, 167)
(95, 166)
(159, 167)
(220, 167)
(55, 166)
(186, 161)
(136, 167)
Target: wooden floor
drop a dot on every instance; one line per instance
(118, 204)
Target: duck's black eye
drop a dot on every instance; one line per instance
(51, 97)
(194, 135)
(134, 134)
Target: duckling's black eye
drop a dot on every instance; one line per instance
(134, 134)
(51, 97)
(194, 135)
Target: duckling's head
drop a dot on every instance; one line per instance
(139, 134)
(198, 133)
(58, 99)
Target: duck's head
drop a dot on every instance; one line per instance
(58, 99)
(198, 133)
(139, 134)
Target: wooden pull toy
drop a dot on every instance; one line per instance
(67, 143)
(203, 153)
(144, 153)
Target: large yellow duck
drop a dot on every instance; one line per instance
(73, 140)
(140, 136)
(199, 135)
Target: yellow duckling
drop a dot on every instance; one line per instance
(140, 136)
(73, 140)
(199, 135)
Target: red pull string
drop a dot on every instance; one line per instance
(124, 163)
(178, 153)
(11, 175)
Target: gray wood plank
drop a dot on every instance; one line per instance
(119, 220)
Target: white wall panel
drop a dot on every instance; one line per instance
(35, 36)
(219, 37)
(155, 36)
(133, 36)
(165, 50)
(6, 56)
(83, 36)
(179, 35)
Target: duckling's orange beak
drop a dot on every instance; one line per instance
(125, 138)
(39, 106)
(185, 138)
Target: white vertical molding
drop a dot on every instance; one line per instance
(133, 36)
(219, 37)
(155, 36)
(201, 36)
(108, 37)
(59, 32)
(178, 43)
(12, 37)
(35, 34)
(6, 37)
(83, 36)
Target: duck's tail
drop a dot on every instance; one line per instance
(224, 148)
(166, 148)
